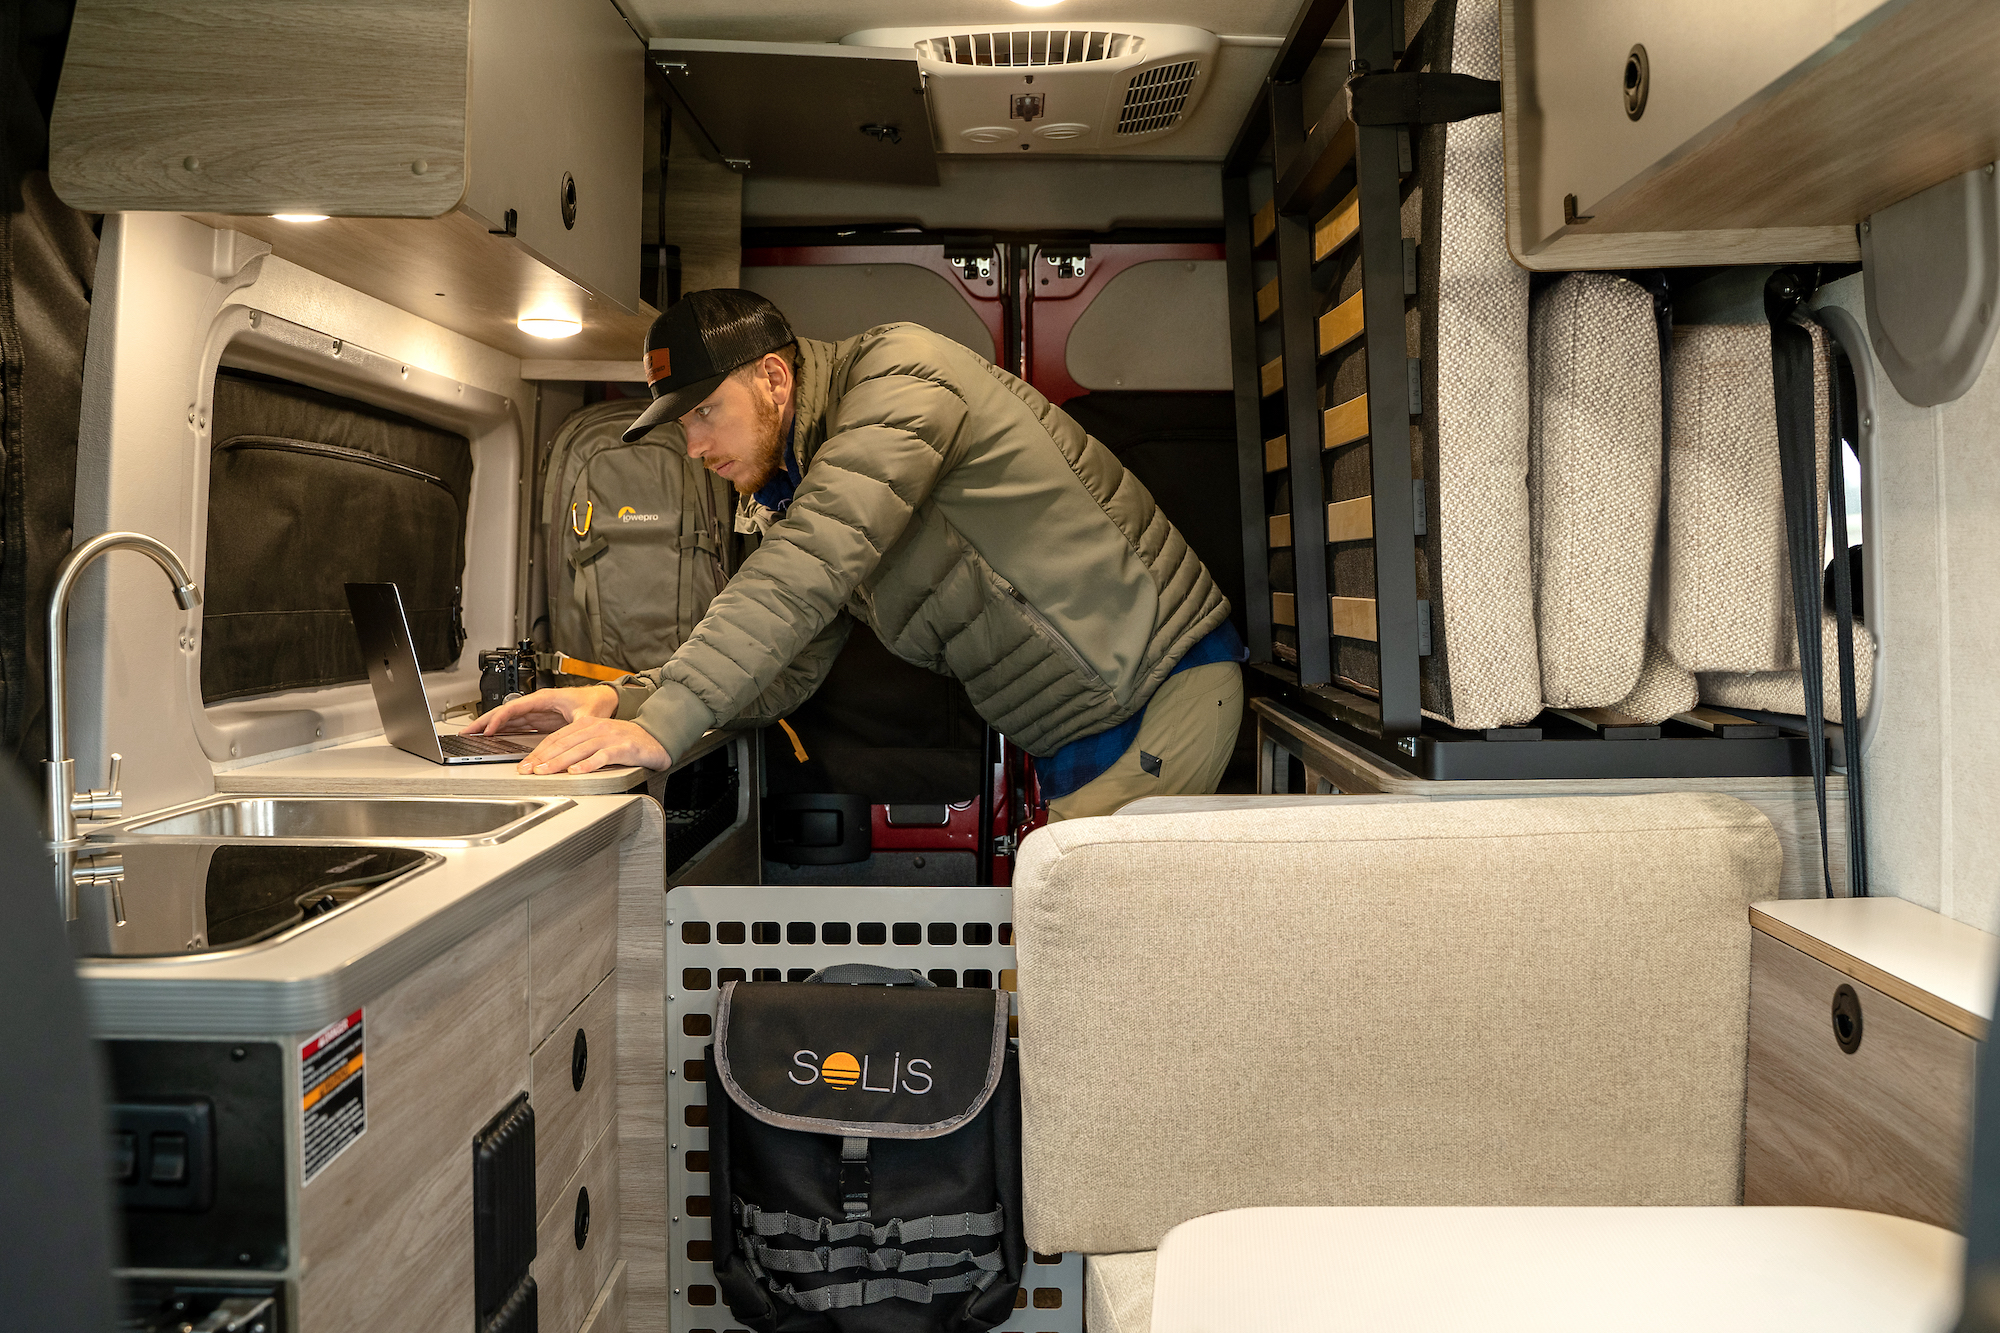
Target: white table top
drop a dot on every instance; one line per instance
(1556, 1270)
(375, 767)
(1898, 946)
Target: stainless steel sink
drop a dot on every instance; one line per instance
(408, 821)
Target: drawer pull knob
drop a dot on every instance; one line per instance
(579, 1061)
(582, 1216)
(1847, 1019)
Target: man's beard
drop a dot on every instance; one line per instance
(762, 465)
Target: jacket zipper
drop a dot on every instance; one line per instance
(1047, 626)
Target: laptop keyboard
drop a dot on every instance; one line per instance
(482, 745)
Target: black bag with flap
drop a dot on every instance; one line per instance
(865, 1154)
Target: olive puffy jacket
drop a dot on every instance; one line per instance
(973, 526)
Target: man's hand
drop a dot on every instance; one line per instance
(587, 737)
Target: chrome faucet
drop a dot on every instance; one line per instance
(65, 801)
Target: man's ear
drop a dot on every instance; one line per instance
(777, 373)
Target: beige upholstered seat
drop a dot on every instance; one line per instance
(1553, 1270)
(1509, 1002)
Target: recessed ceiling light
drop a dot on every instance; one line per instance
(299, 217)
(550, 326)
(1037, 4)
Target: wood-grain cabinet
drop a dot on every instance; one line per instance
(385, 1232)
(1865, 1021)
(1716, 132)
(479, 160)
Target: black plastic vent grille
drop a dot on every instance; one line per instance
(1155, 99)
(503, 1220)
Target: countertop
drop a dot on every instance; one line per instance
(1938, 966)
(373, 767)
(327, 970)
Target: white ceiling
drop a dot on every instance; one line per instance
(1205, 135)
(830, 20)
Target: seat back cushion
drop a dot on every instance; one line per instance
(1467, 330)
(1784, 691)
(1478, 1002)
(1725, 600)
(1474, 421)
(1663, 689)
(1593, 483)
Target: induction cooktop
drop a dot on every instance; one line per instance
(189, 898)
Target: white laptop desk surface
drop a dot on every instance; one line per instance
(1556, 1270)
(375, 767)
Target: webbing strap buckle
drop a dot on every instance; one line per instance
(854, 1177)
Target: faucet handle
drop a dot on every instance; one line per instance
(100, 803)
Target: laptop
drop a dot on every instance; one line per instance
(399, 686)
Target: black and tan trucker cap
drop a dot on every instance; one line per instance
(701, 338)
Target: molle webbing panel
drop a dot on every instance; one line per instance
(1724, 601)
(1594, 484)
(307, 492)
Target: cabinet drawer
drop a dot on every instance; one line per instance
(572, 942)
(571, 1113)
(1884, 1128)
(571, 1262)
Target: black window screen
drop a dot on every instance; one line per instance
(308, 491)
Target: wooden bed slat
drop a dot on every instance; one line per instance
(1340, 325)
(1352, 617)
(1351, 520)
(1336, 228)
(1346, 422)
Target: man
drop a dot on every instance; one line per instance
(901, 480)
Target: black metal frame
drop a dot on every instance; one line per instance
(1309, 173)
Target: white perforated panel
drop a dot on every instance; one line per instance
(958, 936)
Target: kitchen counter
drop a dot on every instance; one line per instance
(325, 971)
(373, 767)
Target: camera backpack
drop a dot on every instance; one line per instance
(865, 1154)
(636, 541)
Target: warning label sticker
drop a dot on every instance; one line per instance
(334, 1110)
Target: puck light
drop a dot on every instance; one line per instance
(299, 217)
(549, 326)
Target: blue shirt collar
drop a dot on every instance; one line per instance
(776, 494)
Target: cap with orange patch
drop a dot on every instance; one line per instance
(692, 347)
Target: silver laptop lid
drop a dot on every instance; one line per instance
(392, 668)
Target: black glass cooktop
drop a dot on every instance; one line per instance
(194, 898)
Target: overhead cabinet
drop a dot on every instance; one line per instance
(1713, 131)
(511, 128)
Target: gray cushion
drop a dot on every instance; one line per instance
(1725, 600)
(1483, 672)
(1784, 691)
(1451, 1002)
(1663, 689)
(1118, 1292)
(1593, 483)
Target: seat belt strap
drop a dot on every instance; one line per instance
(1793, 399)
(1843, 611)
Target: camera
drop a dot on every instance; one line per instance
(505, 673)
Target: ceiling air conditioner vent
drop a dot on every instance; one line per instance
(1013, 49)
(1030, 92)
(1155, 99)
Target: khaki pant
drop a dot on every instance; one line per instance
(1183, 745)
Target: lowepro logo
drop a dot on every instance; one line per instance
(841, 1071)
(627, 514)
